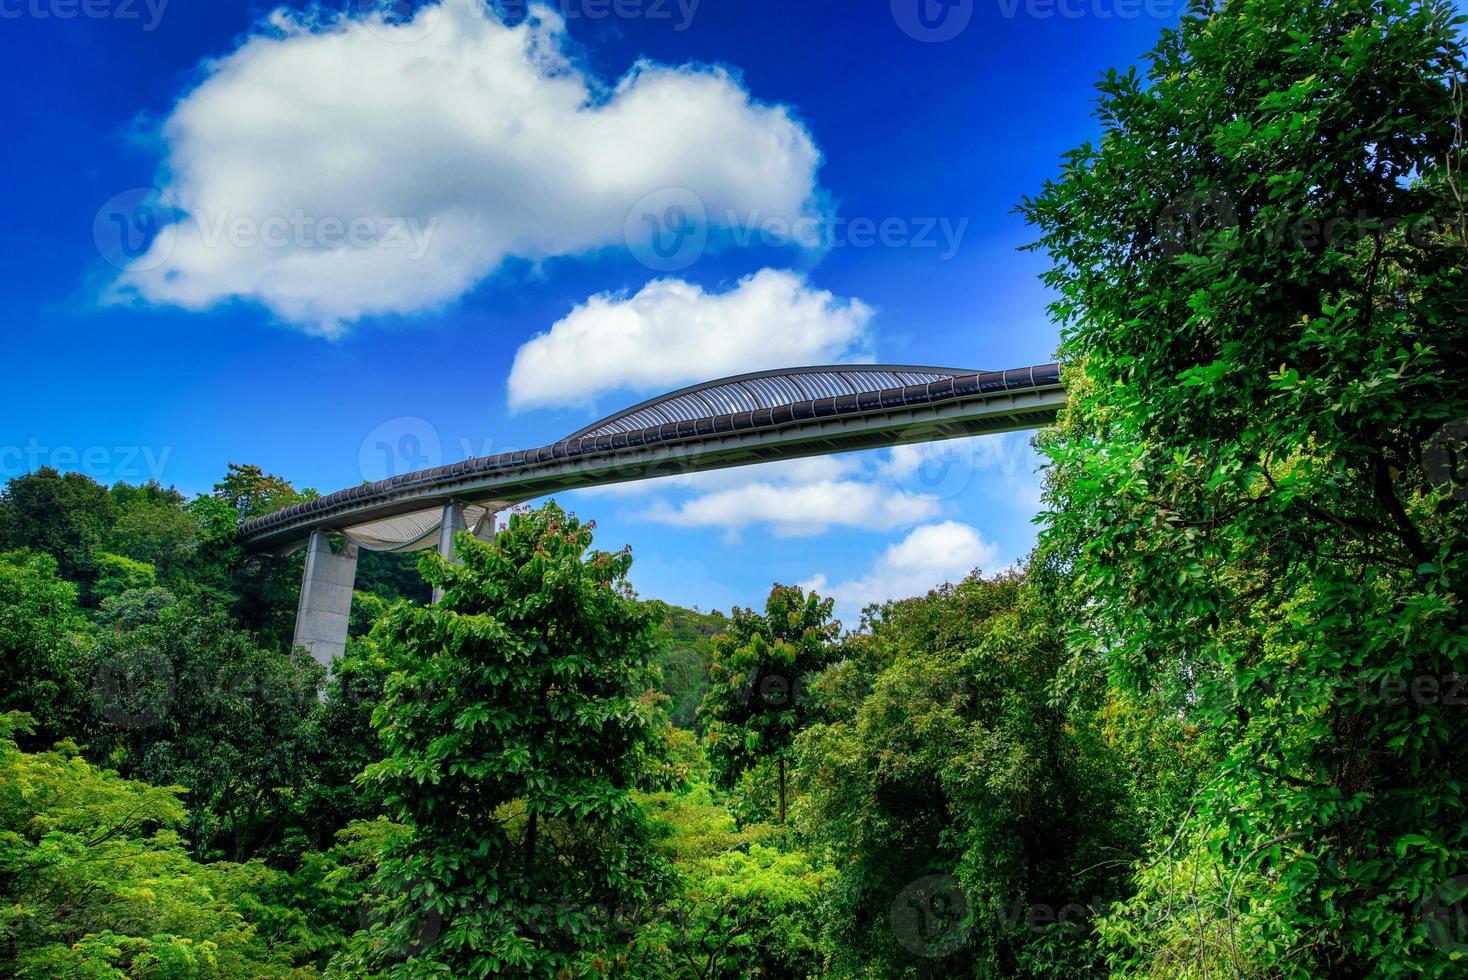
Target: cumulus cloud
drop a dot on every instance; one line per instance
(1003, 466)
(929, 556)
(336, 167)
(799, 507)
(794, 497)
(1002, 453)
(672, 332)
(995, 475)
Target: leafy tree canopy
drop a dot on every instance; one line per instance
(517, 720)
(42, 638)
(1261, 275)
(94, 882)
(188, 700)
(117, 574)
(756, 701)
(65, 515)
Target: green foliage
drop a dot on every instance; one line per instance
(41, 642)
(756, 700)
(95, 883)
(66, 516)
(188, 700)
(154, 526)
(342, 742)
(967, 811)
(1262, 280)
(367, 609)
(259, 591)
(313, 911)
(1215, 729)
(685, 649)
(117, 574)
(130, 610)
(251, 492)
(389, 576)
(747, 906)
(515, 724)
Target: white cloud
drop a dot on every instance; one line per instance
(333, 168)
(929, 556)
(794, 498)
(1002, 453)
(993, 475)
(673, 332)
(801, 510)
(1002, 466)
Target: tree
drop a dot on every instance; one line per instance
(94, 881)
(41, 644)
(516, 722)
(185, 699)
(130, 610)
(971, 813)
(66, 516)
(153, 525)
(747, 905)
(755, 703)
(116, 575)
(342, 740)
(1262, 282)
(391, 576)
(685, 650)
(254, 493)
(260, 591)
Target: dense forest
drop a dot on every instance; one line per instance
(1214, 727)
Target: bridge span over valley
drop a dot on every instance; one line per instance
(750, 418)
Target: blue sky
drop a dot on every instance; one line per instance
(290, 236)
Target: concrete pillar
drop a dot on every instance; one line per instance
(325, 608)
(487, 527)
(451, 523)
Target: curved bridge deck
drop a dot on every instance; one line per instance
(731, 422)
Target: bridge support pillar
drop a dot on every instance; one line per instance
(325, 608)
(487, 527)
(451, 523)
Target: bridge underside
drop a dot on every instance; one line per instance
(733, 422)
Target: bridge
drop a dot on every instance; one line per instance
(749, 418)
